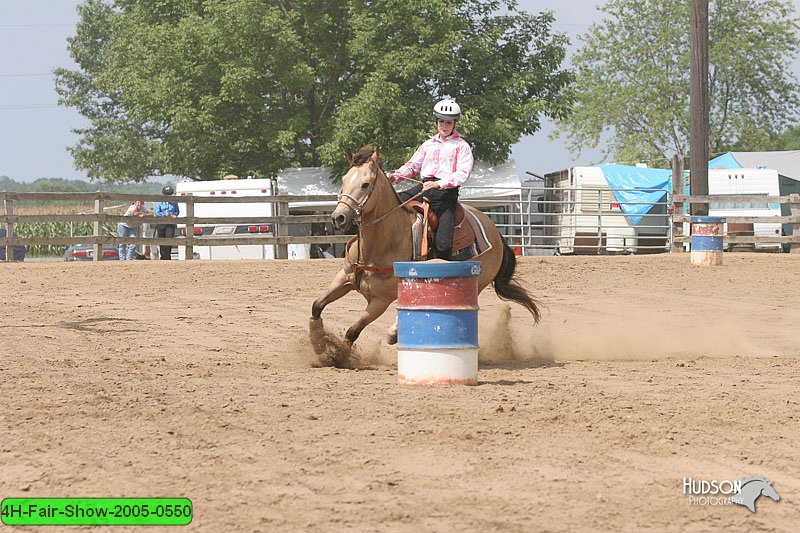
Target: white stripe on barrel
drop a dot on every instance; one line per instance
(437, 322)
(707, 241)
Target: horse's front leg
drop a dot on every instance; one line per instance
(375, 308)
(391, 336)
(338, 288)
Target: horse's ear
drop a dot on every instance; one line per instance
(349, 154)
(377, 157)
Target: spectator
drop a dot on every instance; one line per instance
(129, 229)
(19, 250)
(169, 210)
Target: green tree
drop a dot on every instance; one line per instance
(202, 88)
(632, 78)
(789, 139)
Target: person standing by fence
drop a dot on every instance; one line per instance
(169, 210)
(128, 229)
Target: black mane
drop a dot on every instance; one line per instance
(362, 156)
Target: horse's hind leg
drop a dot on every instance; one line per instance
(375, 308)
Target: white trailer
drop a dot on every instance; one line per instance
(584, 215)
(750, 181)
(263, 188)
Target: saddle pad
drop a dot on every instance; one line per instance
(482, 242)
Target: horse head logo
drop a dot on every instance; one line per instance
(752, 488)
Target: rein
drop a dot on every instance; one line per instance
(357, 265)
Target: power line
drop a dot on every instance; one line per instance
(27, 106)
(24, 75)
(35, 25)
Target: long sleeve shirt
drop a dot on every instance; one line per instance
(167, 208)
(449, 161)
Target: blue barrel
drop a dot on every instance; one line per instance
(437, 322)
(707, 241)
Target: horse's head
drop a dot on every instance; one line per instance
(768, 490)
(357, 186)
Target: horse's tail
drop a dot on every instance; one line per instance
(508, 288)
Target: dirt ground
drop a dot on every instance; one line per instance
(197, 380)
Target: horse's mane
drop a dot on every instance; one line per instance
(362, 156)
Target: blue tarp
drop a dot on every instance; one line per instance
(726, 160)
(638, 183)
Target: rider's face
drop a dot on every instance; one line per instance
(445, 127)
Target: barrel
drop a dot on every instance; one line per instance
(437, 322)
(707, 241)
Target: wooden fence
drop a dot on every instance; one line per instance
(281, 221)
(682, 204)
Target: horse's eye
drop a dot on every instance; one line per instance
(365, 185)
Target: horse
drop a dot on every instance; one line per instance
(751, 489)
(368, 199)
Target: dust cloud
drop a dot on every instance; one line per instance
(608, 338)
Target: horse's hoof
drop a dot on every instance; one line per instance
(316, 334)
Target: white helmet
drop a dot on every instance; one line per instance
(447, 109)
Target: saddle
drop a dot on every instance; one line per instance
(424, 233)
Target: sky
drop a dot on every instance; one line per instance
(35, 132)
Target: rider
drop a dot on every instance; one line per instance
(445, 162)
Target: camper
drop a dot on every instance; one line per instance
(607, 209)
(230, 188)
(752, 181)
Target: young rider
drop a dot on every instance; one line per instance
(445, 162)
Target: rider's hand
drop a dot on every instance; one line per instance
(428, 185)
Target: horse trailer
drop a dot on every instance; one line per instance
(229, 188)
(586, 215)
(751, 181)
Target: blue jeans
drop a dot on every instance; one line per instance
(125, 231)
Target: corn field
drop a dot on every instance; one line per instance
(58, 229)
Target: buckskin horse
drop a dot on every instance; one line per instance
(369, 200)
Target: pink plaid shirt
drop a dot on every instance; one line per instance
(449, 161)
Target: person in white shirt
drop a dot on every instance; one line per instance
(444, 162)
(125, 229)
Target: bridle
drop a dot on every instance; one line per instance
(359, 206)
(353, 204)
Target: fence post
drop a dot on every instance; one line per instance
(9, 227)
(677, 207)
(189, 248)
(97, 226)
(283, 230)
(794, 204)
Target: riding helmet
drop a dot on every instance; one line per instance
(447, 109)
(167, 191)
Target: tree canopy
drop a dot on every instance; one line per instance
(632, 78)
(203, 88)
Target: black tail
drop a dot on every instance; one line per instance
(509, 289)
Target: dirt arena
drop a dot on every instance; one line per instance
(196, 379)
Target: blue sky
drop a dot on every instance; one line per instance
(35, 132)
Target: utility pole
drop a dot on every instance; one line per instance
(698, 105)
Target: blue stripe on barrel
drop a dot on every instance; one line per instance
(437, 269)
(703, 243)
(437, 328)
